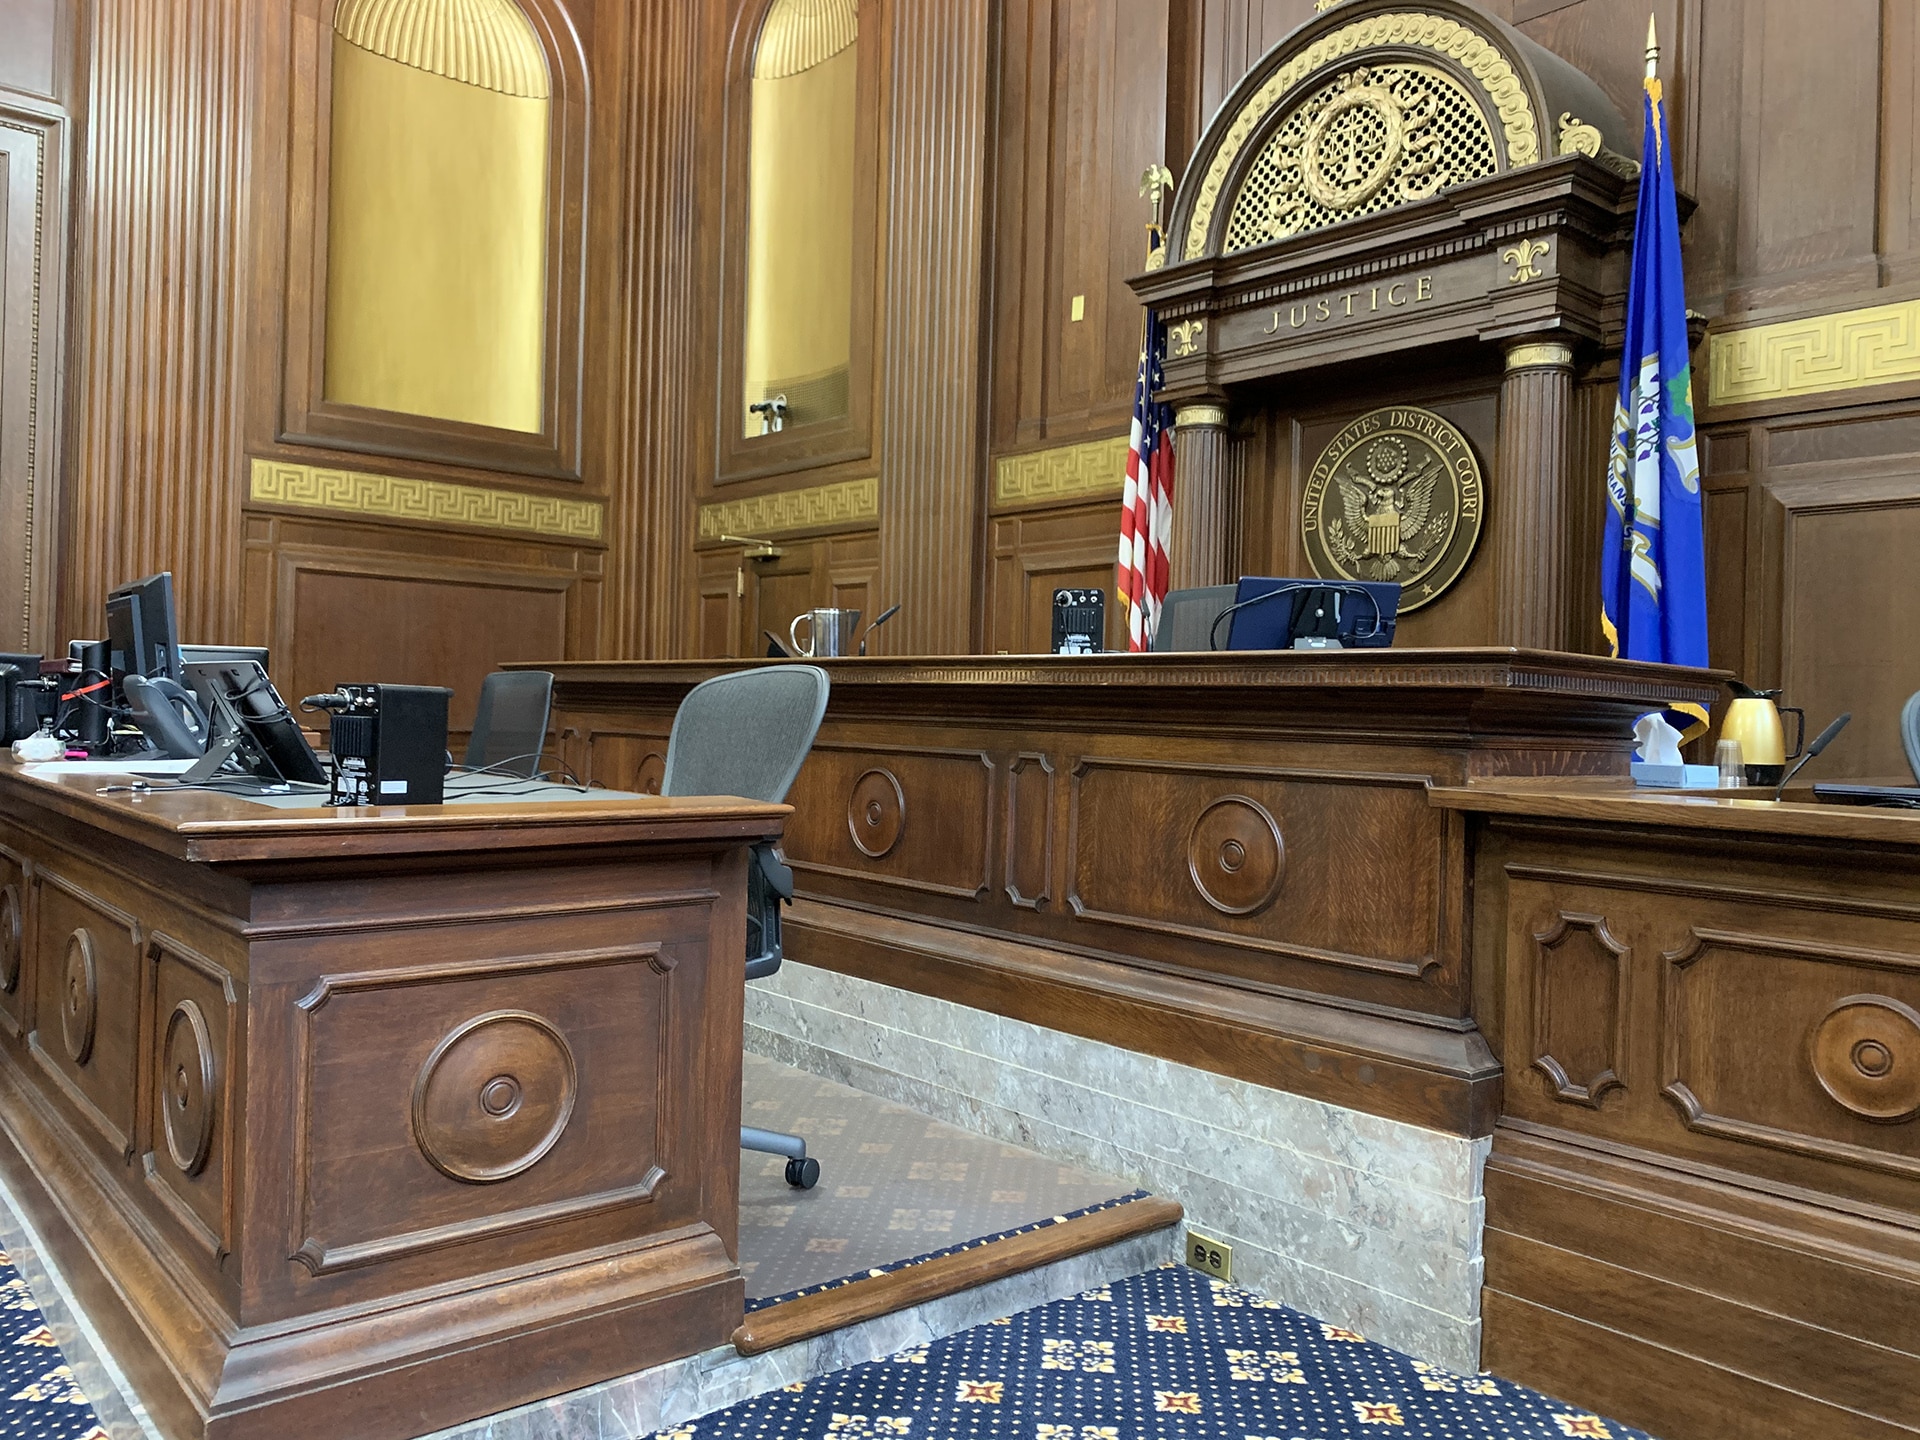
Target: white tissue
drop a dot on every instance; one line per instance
(41, 746)
(1659, 742)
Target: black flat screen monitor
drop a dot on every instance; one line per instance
(259, 733)
(1270, 613)
(141, 636)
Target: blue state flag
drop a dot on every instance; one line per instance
(1653, 582)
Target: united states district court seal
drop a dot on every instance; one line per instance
(1397, 495)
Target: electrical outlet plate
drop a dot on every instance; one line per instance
(1210, 1257)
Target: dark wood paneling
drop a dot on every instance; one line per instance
(344, 602)
(320, 1151)
(1037, 552)
(932, 467)
(160, 360)
(1082, 112)
(1226, 860)
(1704, 1172)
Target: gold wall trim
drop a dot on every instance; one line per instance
(1845, 350)
(1475, 54)
(1069, 472)
(488, 43)
(846, 502)
(397, 497)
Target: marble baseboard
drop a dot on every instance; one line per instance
(638, 1405)
(1366, 1222)
(118, 1409)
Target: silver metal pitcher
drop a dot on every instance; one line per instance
(829, 633)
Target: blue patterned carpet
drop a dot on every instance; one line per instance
(1168, 1355)
(38, 1399)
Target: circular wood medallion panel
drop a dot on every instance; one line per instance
(186, 1087)
(79, 996)
(1866, 1056)
(1236, 856)
(10, 936)
(876, 813)
(494, 1096)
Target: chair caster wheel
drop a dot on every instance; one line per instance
(803, 1174)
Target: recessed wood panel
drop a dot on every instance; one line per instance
(17, 947)
(430, 1094)
(87, 1005)
(893, 817)
(1035, 554)
(1797, 1046)
(192, 1049)
(1280, 865)
(1578, 1029)
(1849, 589)
(344, 618)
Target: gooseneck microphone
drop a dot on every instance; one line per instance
(1820, 742)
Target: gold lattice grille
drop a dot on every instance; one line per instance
(1370, 139)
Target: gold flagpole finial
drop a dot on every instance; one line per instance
(1653, 50)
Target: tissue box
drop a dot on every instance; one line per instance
(1675, 777)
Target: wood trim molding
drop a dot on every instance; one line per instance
(845, 503)
(827, 1310)
(1090, 469)
(435, 502)
(1816, 354)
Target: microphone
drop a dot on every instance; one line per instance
(1820, 742)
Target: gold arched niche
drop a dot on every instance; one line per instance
(800, 216)
(437, 211)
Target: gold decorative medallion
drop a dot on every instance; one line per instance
(1398, 496)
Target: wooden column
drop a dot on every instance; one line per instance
(1205, 549)
(1529, 507)
(930, 384)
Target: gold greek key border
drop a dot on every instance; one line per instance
(846, 502)
(1068, 472)
(1844, 350)
(397, 497)
(1481, 59)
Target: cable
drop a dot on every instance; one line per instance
(1379, 616)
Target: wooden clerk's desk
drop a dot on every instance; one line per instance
(1417, 883)
(362, 1123)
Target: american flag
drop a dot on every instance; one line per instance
(1146, 505)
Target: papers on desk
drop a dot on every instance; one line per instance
(151, 768)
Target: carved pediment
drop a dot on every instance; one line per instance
(1377, 105)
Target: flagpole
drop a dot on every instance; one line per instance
(1653, 50)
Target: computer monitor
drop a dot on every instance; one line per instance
(225, 654)
(250, 724)
(1270, 613)
(141, 635)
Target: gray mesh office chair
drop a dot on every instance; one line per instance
(510, 727)
(747, 734)
(1187, 616)
(1910, 733)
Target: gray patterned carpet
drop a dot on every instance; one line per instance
(894, 1184)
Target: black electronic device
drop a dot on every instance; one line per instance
(171, 718)
(86, 705)
(29, 698)
(389, 743)
(142, 637)
(249, 725)
(1079, 621)
(1897, 797)
(1270, 613)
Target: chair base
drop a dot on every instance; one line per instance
(803, 1173)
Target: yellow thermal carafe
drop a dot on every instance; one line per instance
(1755, 723)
